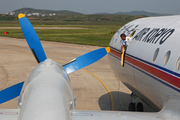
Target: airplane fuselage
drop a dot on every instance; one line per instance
(152, 59)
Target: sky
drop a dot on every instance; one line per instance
(94, 6)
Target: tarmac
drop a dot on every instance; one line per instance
(17, 61)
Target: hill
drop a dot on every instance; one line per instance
(141, 13)
(76, 19)
(135, 13)
(37, 12)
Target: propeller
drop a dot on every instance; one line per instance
(85, 60)
(32, 38)
(37, 49)
(10, 92)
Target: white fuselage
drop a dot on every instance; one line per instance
(151, 67)
(46, 94)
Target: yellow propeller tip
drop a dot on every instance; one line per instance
(21, 16)
(107, 49)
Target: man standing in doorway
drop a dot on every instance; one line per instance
(125, 40)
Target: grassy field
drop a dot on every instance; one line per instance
(96, 35)
(100, 30)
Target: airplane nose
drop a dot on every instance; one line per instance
(48, 62)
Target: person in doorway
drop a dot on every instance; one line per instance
(125, 40)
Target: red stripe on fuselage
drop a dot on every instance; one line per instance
(152, 70)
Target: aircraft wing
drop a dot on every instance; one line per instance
(9, 114)
(170, 111)
(114, 115)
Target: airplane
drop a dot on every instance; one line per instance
(150, 70)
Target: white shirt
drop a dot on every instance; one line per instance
(126, 42)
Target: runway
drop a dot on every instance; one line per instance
(17, 61)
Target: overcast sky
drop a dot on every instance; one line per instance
(95, 6)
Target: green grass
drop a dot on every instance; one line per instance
(7, 18)
(97, 35)
(100, 30)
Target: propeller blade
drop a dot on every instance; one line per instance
(32, 38)
(85, 60)
(10, 92)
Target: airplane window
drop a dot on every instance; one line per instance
(155, 54)
(178, 64)
(166, 58)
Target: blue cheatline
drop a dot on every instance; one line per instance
(10, 92)
(85, 60)
(32, 39)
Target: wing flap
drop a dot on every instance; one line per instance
(114, 115)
